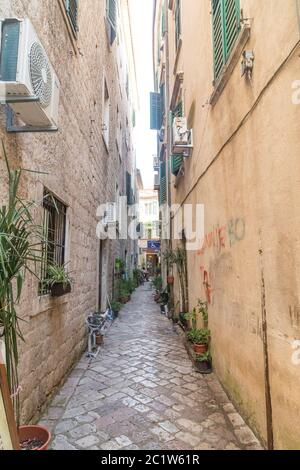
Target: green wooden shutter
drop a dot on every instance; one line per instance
(232, 22)
(163, 184)
(177, 22)
(177, 159)
(111, 14)
(226, 27)
(218, 37)
(155, 111)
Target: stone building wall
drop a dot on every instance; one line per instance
(78, 168)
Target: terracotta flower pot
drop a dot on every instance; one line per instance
(39, 433)
(200, 348)
(170, 280)
(99, 340)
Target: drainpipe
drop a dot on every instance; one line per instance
(268, 396)
(298, 13)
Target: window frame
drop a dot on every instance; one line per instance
(54, 227)
(73, 22)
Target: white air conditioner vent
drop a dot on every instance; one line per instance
(40, 74)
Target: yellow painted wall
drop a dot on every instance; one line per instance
(245, 169)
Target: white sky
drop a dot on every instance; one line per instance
(142, 19)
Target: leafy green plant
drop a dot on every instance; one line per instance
(192, 316)
(157, 283)
(119, 264)
(57, 274)
(20, 252)
(205, 357)
(203, 310)
(199, 336)
(116, 306)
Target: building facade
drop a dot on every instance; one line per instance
(89, 161)
(149, 242)
(242, 165)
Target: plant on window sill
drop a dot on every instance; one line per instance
(58, 280)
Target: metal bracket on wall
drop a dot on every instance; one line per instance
(10, 126)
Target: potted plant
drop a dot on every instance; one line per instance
(204, 363)
(58, 280)
(200, 339)
(20, 251)
(116, 307)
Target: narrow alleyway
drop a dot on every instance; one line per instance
(142, 392)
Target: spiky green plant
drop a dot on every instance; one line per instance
(20, 250)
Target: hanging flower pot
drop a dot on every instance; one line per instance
(34, 438)
(170, 280)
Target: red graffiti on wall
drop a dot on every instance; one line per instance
(207, 285)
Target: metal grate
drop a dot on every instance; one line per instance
(54, 232)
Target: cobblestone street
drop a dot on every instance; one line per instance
(142, 392)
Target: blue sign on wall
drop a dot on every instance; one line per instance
(153, 245)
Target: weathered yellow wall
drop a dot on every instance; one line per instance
(245, 169)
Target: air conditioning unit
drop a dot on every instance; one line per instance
(182, 137)
(25, 71)
(180, 131)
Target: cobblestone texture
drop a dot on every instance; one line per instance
(142, 392)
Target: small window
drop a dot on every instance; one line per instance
(71, 7)
(106, 115)
(54, 233)
(177, 22)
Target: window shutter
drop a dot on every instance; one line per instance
(155, 111)
(163, 184)
(111, 14)
(129, 191)
(176, 160)
(72, 12)
(226, 27)
(218, 37)
(232, 22)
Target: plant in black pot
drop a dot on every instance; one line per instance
(58, 280)
(163, 301)
(204, 363)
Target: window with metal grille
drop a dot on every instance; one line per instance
(54, 234)
(226, 26)
(177, 22)
(71, 7)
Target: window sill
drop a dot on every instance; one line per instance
(47, 303)
(231, 64)
(177, 55)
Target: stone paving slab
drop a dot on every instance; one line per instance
(142, 392)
